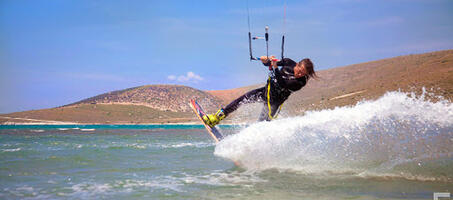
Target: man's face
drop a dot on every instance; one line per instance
(299, 70)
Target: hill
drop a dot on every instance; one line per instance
(335, 87)
(144, 104)
(172, 98)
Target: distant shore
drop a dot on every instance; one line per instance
(51, 122)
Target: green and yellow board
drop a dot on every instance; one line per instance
(213, 131)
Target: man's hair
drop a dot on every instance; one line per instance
(309, 67)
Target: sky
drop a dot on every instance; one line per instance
(56, 52)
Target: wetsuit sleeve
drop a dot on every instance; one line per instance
(278, 75)
(286, 62)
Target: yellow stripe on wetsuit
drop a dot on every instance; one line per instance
(269, 101)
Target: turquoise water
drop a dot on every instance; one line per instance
(165, 163)
(116, 162)
(396, 147)
(109, 126)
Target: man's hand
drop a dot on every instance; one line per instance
(273, 60)
(264, 59)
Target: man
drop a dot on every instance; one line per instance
(291, 77)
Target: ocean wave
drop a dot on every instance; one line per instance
(224, 178)
(175, 145)
(11, 150)
(398, 134)
(93, 189)
(187, 144)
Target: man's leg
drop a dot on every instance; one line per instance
(265, 115)
(249, 97)
(253, 96)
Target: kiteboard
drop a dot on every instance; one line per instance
(213, 131)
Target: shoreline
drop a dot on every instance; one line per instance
(147, 124)
(52, 122)
(85, 124)
(20, 123)
(62, 123)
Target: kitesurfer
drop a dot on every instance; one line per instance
(289, 78)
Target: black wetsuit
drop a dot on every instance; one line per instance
(281, 84)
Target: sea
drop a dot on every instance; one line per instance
(399, 146)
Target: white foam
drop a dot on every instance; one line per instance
(11, 150)
(137, 146)
(221, 178)
(92, 189)
(25, 188)
(84, 189)
(157, 184)
(393, 128)
(187, 144)
(155, 145)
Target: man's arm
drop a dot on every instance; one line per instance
(286, 62)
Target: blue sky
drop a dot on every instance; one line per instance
(55, 52)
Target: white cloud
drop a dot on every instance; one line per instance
(171, 77)
(189, 77)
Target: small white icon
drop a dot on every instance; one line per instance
(438, 195)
